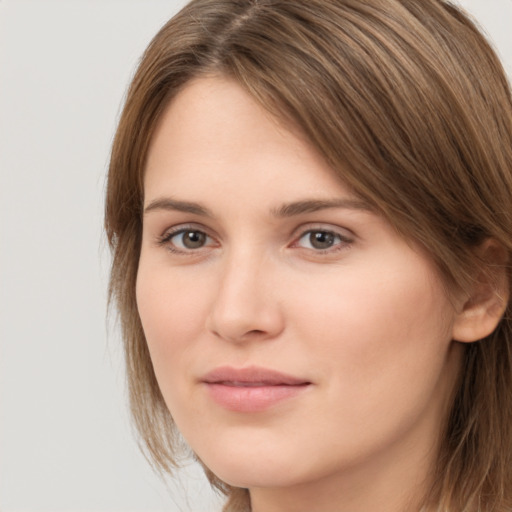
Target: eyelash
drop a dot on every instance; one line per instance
(342, 242)
(167, 237)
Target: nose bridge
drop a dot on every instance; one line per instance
(245, 306)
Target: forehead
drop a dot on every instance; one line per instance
(214, 134)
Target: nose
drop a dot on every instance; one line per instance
(245, 307)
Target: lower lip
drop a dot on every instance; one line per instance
(252, 398)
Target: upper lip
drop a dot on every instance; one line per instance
(253, 375)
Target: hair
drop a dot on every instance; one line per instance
(408, 103)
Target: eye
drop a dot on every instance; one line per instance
(186, 239)
(322, 240)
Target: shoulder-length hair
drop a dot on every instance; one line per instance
(410, 106)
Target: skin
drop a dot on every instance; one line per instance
(366, 321)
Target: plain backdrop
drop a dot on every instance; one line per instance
(65, 439)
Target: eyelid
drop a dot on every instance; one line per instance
(346, 236)
(165, 238)
(343, 232)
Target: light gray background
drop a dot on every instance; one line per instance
(65, 439)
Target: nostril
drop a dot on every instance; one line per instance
(255, 332)
(238, 320)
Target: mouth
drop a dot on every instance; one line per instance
(252, 389)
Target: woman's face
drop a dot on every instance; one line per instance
(297, 339)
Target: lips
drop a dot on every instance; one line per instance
(252, 389)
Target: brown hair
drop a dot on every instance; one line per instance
(411, 107)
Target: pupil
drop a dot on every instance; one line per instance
(321, 239)
(193, 239)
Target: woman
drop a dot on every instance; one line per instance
(309, 205)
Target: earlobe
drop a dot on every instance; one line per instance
(482, 311)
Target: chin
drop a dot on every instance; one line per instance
(249, 475)
(249, 467)
(257, 468)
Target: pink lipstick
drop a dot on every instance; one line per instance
(251, 389)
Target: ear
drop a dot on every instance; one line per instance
(482, 310)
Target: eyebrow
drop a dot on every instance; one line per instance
(314, 205)
(286, 210)
(166, 203)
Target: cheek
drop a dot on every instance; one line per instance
(379, 331)
(172, 308)
(382, 342)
